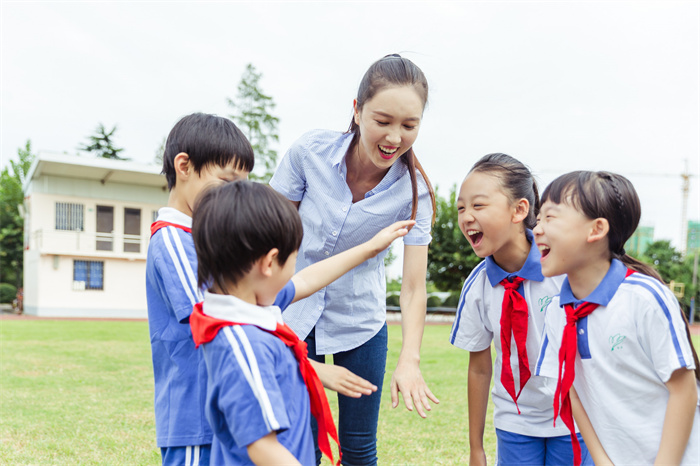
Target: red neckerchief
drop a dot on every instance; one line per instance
(155, 226)
(205, 328)
(567, 358)
(514, 321)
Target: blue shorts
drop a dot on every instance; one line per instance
(517, 449)
(197, 455)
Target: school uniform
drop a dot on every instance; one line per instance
(179, 371)
(478, 323)
(254, 383)
(627, 349)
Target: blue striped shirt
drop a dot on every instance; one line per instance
(350, 311)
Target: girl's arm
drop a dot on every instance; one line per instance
(478, 384)
(595, 448)
(322, 273)
(268, 451)
(680, 411)
(407, 377)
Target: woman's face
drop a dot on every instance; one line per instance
(389, 124)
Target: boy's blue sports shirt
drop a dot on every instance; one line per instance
(179, 370)
(350, 311)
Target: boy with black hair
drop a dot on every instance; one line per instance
(201, 151)
(259, 393)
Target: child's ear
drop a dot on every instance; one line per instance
(522, 208)
(599, 230)
(267, 262)
(182, 165)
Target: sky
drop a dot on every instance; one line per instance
(560, 85)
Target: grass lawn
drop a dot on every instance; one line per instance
(81, 392)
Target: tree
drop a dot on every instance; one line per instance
(102, 144)
(450, 257)
(11, 219)
(252, 114)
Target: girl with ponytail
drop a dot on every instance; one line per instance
(616, 339)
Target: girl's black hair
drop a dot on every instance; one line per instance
(207, 140)
(612, 197)
(516, 181)
(392, 71)
(237, 223)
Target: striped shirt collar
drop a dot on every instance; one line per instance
(605, 290)
(172, 215)
(231, 308)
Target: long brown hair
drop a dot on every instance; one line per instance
(394, 70)
(612, 197)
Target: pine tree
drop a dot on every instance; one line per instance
(252, 115)
(102, 144)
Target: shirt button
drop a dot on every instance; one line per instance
(345, 209)
(327, 253)
(335, 233)
(320, 308)
(581, 331)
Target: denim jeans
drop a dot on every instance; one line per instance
(358, 417)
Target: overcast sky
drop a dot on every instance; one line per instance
(559, 85)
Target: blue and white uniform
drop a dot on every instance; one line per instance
(179, 370)
(477, 324)
(254, 383)
(627, 350)
(351, 310)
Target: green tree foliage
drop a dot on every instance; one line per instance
(672, 266)
(450, 257)
(252, 115)
(102, 144)
(12, 179)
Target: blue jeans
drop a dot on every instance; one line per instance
(358, 417)
(517, 449)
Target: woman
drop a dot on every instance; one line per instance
(348, 186)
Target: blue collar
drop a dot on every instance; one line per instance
(531, 270)
(603, 293)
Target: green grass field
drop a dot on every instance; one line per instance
(81, 392)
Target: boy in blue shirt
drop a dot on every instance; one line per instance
(260, 394)
(201, 151)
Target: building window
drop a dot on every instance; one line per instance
(69, 216)
(104, 228)
(88, 275)
(154, 216)
(132, 230)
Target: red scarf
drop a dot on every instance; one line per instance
(567, 369)
(155, 226)
(514, 319)
(205, 328)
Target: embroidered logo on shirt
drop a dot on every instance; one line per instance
(616, 341)
(544, 302)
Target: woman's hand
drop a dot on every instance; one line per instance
(408, 380)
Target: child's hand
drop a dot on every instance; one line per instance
(343, 381)
(384, 238)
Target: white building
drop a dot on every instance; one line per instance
(86, 228)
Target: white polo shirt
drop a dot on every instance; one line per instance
(477, 323)
(627, 349)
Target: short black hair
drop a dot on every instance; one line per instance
(207, 140)
(237, 223)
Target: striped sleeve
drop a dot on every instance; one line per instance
(248, 394)
(289, 179)
(177, 267)
(662, 328)
(470, 330)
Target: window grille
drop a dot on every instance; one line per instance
(69, 216)
(88, 275)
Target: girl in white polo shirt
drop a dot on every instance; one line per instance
(616, 332)
(504, 300)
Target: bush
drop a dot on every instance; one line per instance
(7, 293)
(452, 300)
(392, 300)
(434, 301)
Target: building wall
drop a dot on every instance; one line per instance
(50, 269)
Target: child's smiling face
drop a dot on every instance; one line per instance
(561, 236)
